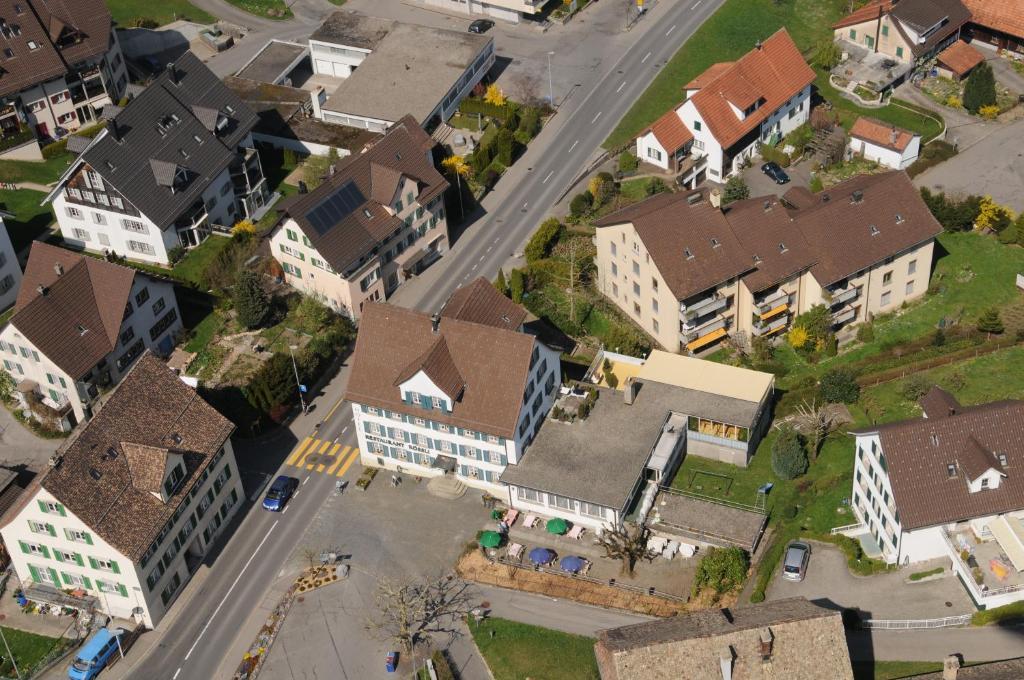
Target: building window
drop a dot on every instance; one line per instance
(142, 296)
(78, 536)
(139, 247)
(127, 336)
(910, 287)
(615, 250)
(292, 236)
(653, 153)
(615, 269)
(134, 226)
(654, 305)
(73, 212)
(886, 278)
(81, 234)
(885, 30)
(636, 289)
(886, 298)
(615, 290)
(899, 52)
(853, 34)
(52, 508)
(530, 495)
(657, 328)
(117, 202)
(911, 267)
(41, 528)
(562, 502)
(99, 218)
(636, 308)
(591, 510)
(696, 125)
(158, 306)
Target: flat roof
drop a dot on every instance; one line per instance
(706, 520)
(706, 376)
(352, 30)
(272, 61)
(409, 72)
(600, 458)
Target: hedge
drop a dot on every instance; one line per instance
(60, 147)
(1008, 612)
(475, 106)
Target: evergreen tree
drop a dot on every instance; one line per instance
(517, 286)
(252, 304)
(990, 321)
(500, 284)
(789, 457)
(980, 89)
(735, 190)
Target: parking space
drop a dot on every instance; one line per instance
(762, 185)
(883, 596)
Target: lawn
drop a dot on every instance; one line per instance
(516, 651)
(892, 670)
(127, 12)
(898, 112)
(729, 33)
(192, 266)
(28, 650)
(40, 172)
(272, 9)
(30, 219)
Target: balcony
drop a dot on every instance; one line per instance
(692, 331)
(844, 316)
(843, 295)
(773, 301)
(703, 307)
(761, 327)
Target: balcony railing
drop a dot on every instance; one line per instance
(843, 315)
(704, 307)
(693, 332)
(843, 295)
(979, 592)
(774, 300)
(765, 327)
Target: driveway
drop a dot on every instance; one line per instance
(883, 596)
(762, 185)
(22, 450)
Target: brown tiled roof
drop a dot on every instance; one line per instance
(918, 452)
(777, 250)
(708, 75)
(670, 132)
(480, 302)
(150, 407)
(43, 22)
(1006, 16)
(961, 57)
(799, 197)
(76, 322)
(494, 365)
(772, 74)
(147, 465)
(870, 11)
(938, 403)
(669, 226)
(881, 134)
(365, 180)
(438, 365)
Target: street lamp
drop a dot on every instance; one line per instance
(551, 89)
(298, 385)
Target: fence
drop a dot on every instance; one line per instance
(915, 624)
(614, 583)
(926, 364)
(846, 527)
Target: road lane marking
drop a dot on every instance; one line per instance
(481, 259)
(337, 463)
(306, 479)
(348, 463)
(176, 674)
(696, 4)
(297, 453)
(596, 117)
(545, 181)
(497, 239)
(646, 57)
(344, 430)
(473, 269)
(230, 590)
(490, 248)
(669, 31)
(286, 508)
(334, 408)
(573, 145)
(620, 87)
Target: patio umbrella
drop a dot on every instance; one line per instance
(541, 556)
(490, 539)
(557, 526)
(572, 563)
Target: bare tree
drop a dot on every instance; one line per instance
(408, 610)
(627, 543)
(815, 422)
(527, 87)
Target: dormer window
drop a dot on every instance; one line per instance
(437, 403)
(715, 243)
(688, 253)
(873, 229)
(984, 482)
(1002, 459)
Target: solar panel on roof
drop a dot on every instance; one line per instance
(336, 207)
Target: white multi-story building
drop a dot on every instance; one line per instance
(371, 225)
(78, 326)
(462, 392)
(10, 270)
(945, 486)
(176, 164)
(61, 65)
(132, 503)
(730, 109)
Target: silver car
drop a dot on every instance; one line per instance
(794, 566)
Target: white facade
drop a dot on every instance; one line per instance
(545, 504)
(48, 544)
(886, 156)
(337, 61)
(505, 10)
(410, 440)
(10, 270)
(153, 323)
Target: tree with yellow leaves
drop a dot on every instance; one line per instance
(494, 95)
(797, 337)
(457, 166)
(243, 227)
(993, 216)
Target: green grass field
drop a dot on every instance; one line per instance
(127, 12)
(192, 266)
(28, 650)
(40, 172)
(892, 670)
(516, 651)
(262, 7)
(30, 219)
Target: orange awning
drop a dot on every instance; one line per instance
(775, 311)
(705, 340)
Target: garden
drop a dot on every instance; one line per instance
(979, 94)
(29, 651)
(146, 14)
(514, 651)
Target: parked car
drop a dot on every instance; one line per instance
(94, 654)
(279, 493)
(794, 566)
(775, 171)
(481, 26)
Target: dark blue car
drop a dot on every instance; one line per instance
(775, 171)
(279, 493)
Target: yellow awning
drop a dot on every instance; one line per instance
(705, 340)
(776, 330)
(774, 311)
(1009, 540)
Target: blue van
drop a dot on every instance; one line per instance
(93, 656)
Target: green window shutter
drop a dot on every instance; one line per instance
(45, 551)
(60, 509)
(42, 506)
(78, 560)
(51, 530)
(24, 547)
(113, 567)
(88, 583)
(92, 563)
(88, 538)
(57, 556)
(121, 589)
(34, 573)
(53, 573)
(66, 577)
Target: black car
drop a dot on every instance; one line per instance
(481, 26)
(773, 170)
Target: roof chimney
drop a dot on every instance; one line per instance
(950, 667)
(114, 131)
(629, 390)
(58, 269)
(435, 322)
(758, 45)
(715, 197)
(766, 644)
(767, 204)
(330, 170)
(893, 135)
(857, 196)
(172, 73)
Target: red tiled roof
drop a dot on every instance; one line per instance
(773, 73)
(961, 57)
(1002, 15)
(881, 134)
(709, 75)
(670, 132)
(866, 13)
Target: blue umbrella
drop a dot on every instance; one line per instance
(572, 563)
(541, 556)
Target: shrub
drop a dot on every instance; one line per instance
(721, 569)
(954, 102)
(955, 381)
(789, 512)
(494, 95)
(827, 54)
(915, 387)
(628, 162)
(938, 338)
(517, 285)
(797, 337)
(866, 332)
(143, 22)
(989, 112)
(839, 386)
(581, 204)
(1008, 612)
(252, 304)
(175, 254)
(980, 89)
(993, 216)
(735, 190)
(489, 177)
(500, 284)
(475, 106)
(655, 185)
(544, 239)
(789, 455)
(529, 124)
(757, 596)
(505, 147)
(990, 321)
(602, 188)
(952, 214)
(243, 228)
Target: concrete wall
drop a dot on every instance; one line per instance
(29, 151)
(299, 145)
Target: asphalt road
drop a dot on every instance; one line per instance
(195, 643)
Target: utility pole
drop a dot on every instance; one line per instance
(551, 88)
(298, 385)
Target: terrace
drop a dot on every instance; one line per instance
(873, 70)
(988, 573)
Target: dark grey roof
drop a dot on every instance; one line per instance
(923, 14)
(354, 30)
(170, 106)
(78, 143)
(271, 61)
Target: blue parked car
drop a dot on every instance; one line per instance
(93, 656)
(280, 492)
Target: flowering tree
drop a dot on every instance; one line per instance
(494, 95)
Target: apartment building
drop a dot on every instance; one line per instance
(461, 393)
(729, 109)
(691, 273)
(132, 503)
(78, 326)
(10, 270)
(944, 485)
(61, 65)
(375, 221)
(177, 164)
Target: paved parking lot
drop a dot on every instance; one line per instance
(884, 596)
(762, 185)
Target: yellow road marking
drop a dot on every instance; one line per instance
(297, 453)
(348, 463)
(321, 466)
(339, 460)
(327, 445)
(334, 408)
(302, 459)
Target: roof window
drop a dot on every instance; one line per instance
(951, 470)
(82, 330)
(688, 253)
(230, 109)
(715, 243)
(783, 248)
(899, 218)
(873, 229)
(33, 45)
(95, 474)
(1002, 459)
(935, 439)
(367, 213)
(757, 259)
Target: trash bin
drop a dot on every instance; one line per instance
(391, 662)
